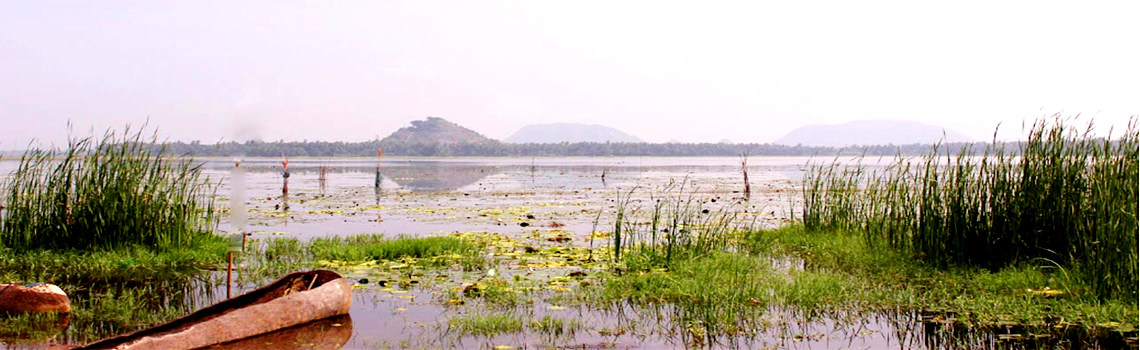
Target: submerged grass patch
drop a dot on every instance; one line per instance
(847, 271)
(485, 324)
(493, 323)
(551, 326)
(396, 261)
(125, 265)
(31, 328)
(814, 274)
(720, 293)
(375, 247)
(113, 311)
(109, 303)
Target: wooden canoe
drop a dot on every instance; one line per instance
(33, 298)
(295, 299)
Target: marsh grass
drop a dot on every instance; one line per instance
(135, 265)
(270, 258)
(424, 251)
(554, 327)
(119, 225)
(101, 313)
(498, 292)
(493, 323)
(844, 271)
(485, 324)
(1063, 198)
(375, 247)
(678, 226)
(721, 293)
(119, 191)
(101, 309)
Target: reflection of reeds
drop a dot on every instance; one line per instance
(1065, 198)
(119, 191)
(114, 292)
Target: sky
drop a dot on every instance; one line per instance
(746, 71)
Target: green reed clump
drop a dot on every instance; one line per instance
(1063, 198)
(122, 190)
(679, 225)
(830, 195)
(486, 324)
(716, 294)
(135, 265)
(374, 247)
(555, 326)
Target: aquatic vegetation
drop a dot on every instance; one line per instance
(109, 312)
(555, 326)
(128, 265)
(694, 270)
(493, 323)
(31, 328)
(485, 324)
(105, 308)
(1063, 198)
(118, 192)
(374, 247)
(679, 226)
(718, 293)
(845, 271)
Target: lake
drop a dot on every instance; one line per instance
(519, 201)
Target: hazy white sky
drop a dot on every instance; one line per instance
(749, 71)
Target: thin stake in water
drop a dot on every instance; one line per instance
(285, 176)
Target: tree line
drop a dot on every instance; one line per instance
(500, 149)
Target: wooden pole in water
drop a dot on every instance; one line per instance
(285, 175)
(229, 275)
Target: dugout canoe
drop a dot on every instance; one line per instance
(296, 298)
(33, 298)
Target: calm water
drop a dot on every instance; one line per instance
(429, 196)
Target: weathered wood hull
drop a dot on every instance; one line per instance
(295, 299)
(40, 298)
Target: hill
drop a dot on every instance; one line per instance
(435, 130)
(569, 132)
(870, 132)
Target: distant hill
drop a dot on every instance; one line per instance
(569, 132)
(870, 132)
(435, 130)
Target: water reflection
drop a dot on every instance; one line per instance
(435, 177)
(330, 333)
(18, 332)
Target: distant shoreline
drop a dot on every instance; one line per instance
(368, 149)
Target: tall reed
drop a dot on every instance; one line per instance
(678, 226)
(1063, 198)
(120, 191)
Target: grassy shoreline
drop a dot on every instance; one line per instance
(726, 293)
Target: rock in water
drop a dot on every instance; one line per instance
(33, 298)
